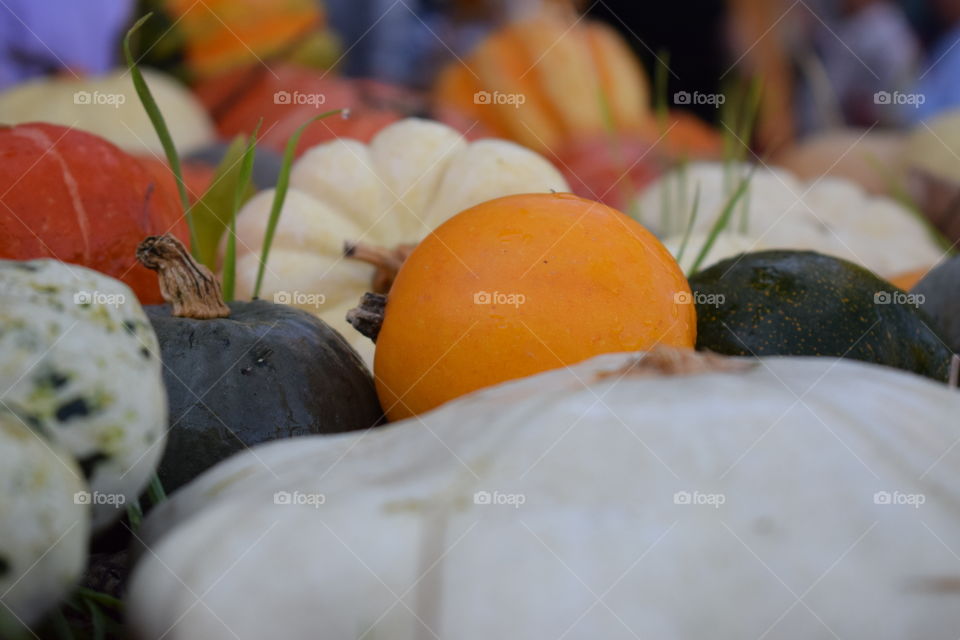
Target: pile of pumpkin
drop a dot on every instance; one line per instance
(643, 431)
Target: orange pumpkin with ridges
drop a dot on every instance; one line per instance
(73, 196)
(519, 285)
(572, 79)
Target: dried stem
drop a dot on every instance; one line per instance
(386, 261)
(189, 287)
(367, 318)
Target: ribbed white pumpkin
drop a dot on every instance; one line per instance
(79, 362)
(832, 216)
(580, 504)
(725, 245)
(109, 107)
(43, 527)
(411, 177)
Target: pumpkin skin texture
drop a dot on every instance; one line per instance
(804, 303)
(600, 515)
(43, 528)
(268, 371)
(75, 197)
(414, 175)
(85, 373)
(591, 280)
(940, 289)
(123, 120)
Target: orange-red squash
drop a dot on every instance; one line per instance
(73, 196)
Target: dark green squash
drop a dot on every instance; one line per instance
(939, 296)
(804, 303)
(244, 373)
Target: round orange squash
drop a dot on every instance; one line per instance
(519, 285)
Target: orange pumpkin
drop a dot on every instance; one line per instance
(73, 196)
(909, 279)
(286, 96)
(197, 176)
(224, 34)
(519, 285)
(542, 80)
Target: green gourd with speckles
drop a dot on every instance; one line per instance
(806, 303)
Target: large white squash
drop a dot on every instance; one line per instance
(411, 177)
(44, 527)
(80, 363)
(786, 497)
(109, 107)
(831, 215)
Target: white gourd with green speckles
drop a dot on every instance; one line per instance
(43, 527)
(79, 363)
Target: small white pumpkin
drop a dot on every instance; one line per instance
(607, 500)
(832, 216)
(411, 177)
(725, 245)
(44, 523)
(109, 107)
(79, 362)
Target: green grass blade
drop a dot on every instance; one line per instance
(134, 514)
(155, 490)
(212, 212)
(102, 599)
(230, 259)
(283, 182)
(159, 124)
(723, 220)
(97, 621)
(690, 221)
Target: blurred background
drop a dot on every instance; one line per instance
(613, 92)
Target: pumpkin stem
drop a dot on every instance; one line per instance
(386, 261)
(664, 361)
(189, 287)
(954, 371)
(367, 318)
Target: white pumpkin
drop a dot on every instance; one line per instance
(832, 216)
(873, 159)
(44, 525)
(109, 107)
(589, 502)
(411, 177)
(79, 362)
(725, 245)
